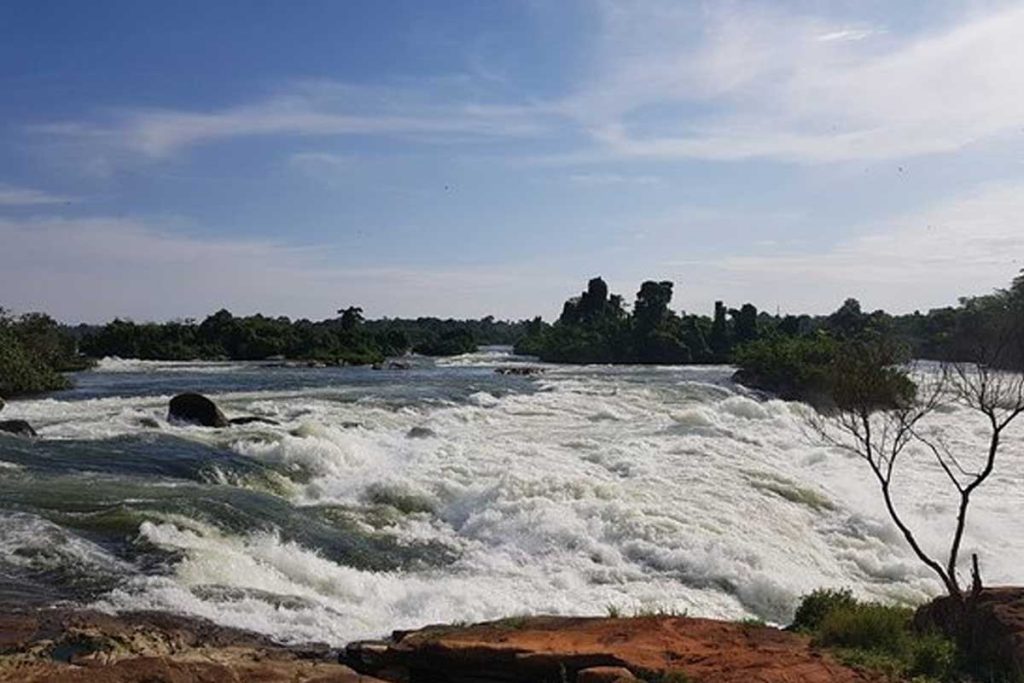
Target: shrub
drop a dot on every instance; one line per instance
(815, 606)
(874, 636)
(866, 626)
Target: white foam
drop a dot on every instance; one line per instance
(609, 486)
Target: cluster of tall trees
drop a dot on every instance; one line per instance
(34, 351)
(595, 327)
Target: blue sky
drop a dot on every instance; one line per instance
(163, 160)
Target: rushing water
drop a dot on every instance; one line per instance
(573, 491)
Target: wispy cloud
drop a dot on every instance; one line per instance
(77, 269)
(767, 84)
(960, 246)
(604, 179)
(11, 195)
(664, 81)
(319, 108)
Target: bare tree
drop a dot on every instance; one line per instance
(877, 417)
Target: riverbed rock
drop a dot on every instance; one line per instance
(196, 409)
(990, 629)
(90, 647)
(420, 433)
(251, 419)
(552, 649)
(519, 371)
(2, 403)
(17, 427)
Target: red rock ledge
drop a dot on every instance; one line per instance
(594, 650)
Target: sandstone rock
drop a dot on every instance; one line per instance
(17, 427)
(540, 649)
(990, 629)
(88, 647)
(196, 409)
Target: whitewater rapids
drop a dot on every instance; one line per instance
(576, 491)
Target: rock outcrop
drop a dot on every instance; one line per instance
(17, 427)
(251, 419)
(524, 371)
(989, 629)
(553, 649)
(196, 409)
(89, 647)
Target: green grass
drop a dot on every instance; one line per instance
(874, 636)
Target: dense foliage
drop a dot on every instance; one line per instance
(346, 339)
(596, 328)
(34, 350)
(880, 638)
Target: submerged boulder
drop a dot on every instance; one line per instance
(420, 433)
(2, 404)
(196, 409)
(17, 427)
(249, 419)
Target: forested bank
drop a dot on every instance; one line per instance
(777, 352)
(597, 327)
(35, 349)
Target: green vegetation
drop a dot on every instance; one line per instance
(595, 328)
(875, 636)
(791, 355)
(347, 339)
(34, 351)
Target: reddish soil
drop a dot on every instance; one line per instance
(558, 648)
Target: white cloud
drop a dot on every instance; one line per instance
(963, 246)
(320, 108)
(11, 195)
(767, 84)
(97, 268)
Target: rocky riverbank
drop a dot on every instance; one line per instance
(72, 646)
(67, 645)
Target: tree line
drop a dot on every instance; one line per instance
(596, 327)
(35, 349)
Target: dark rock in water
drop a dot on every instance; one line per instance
(149, 422)
(17, 427)
(2, 404)
(196, 409)
(351, 425)
(522, 372)
(252, 418)
(398, 365)
(420, 433)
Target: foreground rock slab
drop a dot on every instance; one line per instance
(990, 630)
(82, 646)
(555, 649)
